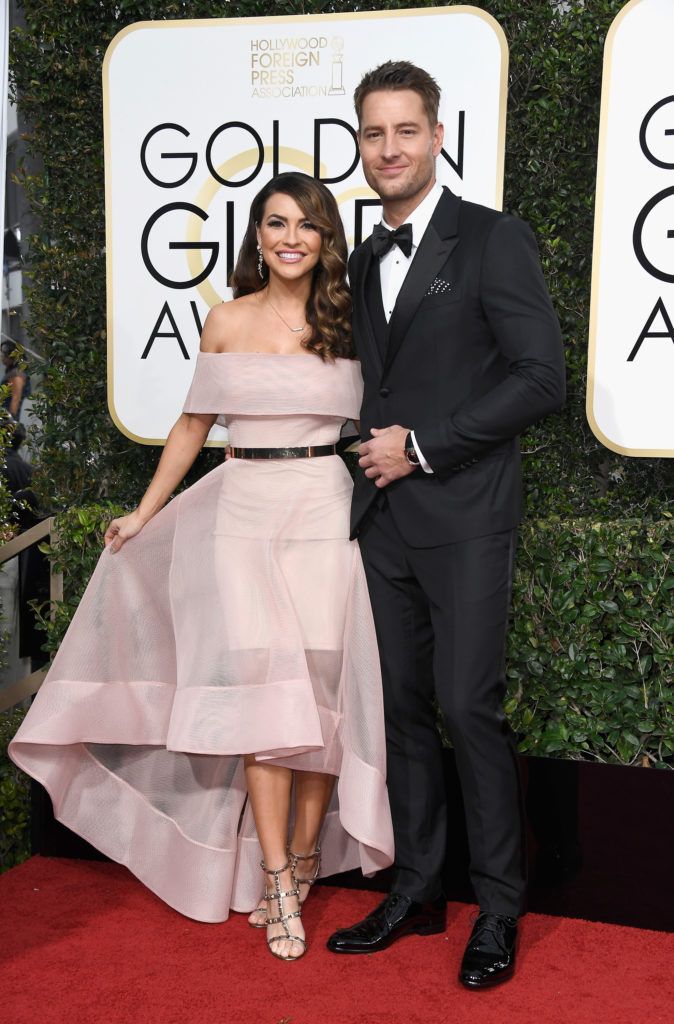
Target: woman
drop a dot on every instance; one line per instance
(15, 379)
(224, 648)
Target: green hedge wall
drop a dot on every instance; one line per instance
(591, 645)
(7, 502)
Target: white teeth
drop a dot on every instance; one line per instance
(290, 257)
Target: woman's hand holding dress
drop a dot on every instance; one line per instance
(123, 529)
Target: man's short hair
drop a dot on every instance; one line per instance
(400, 74)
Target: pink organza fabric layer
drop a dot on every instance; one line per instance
(237, 622)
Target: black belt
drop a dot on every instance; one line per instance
(310, 452)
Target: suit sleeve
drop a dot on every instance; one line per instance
(524, 326)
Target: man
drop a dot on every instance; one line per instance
(17, 472)
(460, 350)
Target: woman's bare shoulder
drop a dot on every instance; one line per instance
(225, 324)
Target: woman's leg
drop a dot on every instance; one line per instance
(269, 793)
(313, 791)
(312, 797)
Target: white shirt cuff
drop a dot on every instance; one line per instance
(422, 461)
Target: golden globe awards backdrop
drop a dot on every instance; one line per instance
(198, 117)
(631, 355)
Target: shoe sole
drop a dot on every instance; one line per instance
(491, 982)
(432, 928)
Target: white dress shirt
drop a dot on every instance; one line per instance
(393, 267)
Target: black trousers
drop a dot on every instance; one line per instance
(441, 617)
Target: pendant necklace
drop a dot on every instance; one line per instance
(295, 330)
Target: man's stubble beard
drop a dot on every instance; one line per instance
(405, 190)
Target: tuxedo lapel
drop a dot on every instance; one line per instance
(360, 301)
(440, 238)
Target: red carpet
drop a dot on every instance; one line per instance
(85, 943)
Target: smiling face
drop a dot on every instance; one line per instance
(291, 244)
(398, 147)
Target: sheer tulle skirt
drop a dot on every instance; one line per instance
(237, 622)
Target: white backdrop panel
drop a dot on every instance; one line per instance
(283, 87)
(631, 368)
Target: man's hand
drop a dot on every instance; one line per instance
(383, 458)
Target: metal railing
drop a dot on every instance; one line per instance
(14, 693)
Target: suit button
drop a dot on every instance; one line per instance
(384, 392)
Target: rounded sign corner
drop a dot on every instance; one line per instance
(119, 37)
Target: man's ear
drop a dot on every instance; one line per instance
(438, 138)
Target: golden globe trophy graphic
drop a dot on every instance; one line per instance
(337, 85)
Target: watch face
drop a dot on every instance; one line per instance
(410, 451)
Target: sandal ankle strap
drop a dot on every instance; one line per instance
(295, 858)
(305, 856)
(275, 872)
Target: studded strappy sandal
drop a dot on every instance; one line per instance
(278, 896)
(261, 909)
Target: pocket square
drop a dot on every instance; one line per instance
(439, 286)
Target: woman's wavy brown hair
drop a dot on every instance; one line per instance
(329, 303)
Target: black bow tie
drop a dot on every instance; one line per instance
(383, 239)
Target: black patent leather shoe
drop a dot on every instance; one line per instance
(396, 916)
(490, 954)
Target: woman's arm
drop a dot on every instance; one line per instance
(182, 447)
(17, 384)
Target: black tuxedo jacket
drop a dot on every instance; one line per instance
(473, 356)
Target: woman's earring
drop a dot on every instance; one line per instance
(260, 260)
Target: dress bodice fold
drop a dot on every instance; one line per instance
(269, 399)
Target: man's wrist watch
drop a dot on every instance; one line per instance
(410, 451)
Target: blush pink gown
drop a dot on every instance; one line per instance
(236, 622)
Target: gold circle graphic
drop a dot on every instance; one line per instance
(241, 162)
